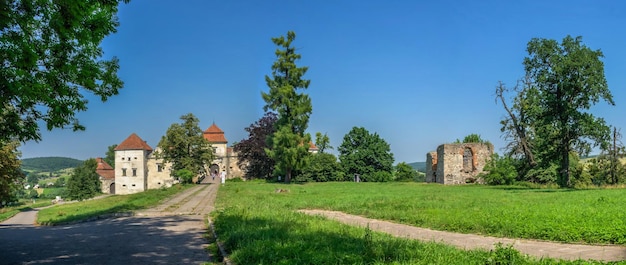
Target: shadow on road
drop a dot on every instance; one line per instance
(129, 240)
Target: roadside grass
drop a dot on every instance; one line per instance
(260, 226)
(84, 210)
(24, 205)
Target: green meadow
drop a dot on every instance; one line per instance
(258, 225)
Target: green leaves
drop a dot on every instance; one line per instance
(365, 154)
(84, 182)
(51, 57)
(184, 145)
(289, 144)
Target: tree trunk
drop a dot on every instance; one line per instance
(288, 176)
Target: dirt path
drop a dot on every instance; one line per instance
(468, 241)
(171, 233)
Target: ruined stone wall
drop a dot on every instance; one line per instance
(459, 163)
(431, 167)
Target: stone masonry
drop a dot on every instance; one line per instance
(457, 163)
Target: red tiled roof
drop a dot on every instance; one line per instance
(133, 142)
(312, 146)
(214, 134)
(104, 169)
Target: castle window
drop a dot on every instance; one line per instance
(133, 185)
(123, 172)
(135, 158)
(134, 172)
(160, 167)
(468, 160)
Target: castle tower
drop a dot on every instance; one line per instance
(215, 136)
(131, 170)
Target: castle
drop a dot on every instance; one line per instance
(137, 168)
(458, 163)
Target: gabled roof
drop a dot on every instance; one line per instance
(214, 134)
(133, 142)
(104, 170)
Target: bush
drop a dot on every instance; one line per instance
(500, 171)
(378, 176)
(184, 175)
(322, 167)
(404, 172)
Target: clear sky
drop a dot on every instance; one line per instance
(418, 73)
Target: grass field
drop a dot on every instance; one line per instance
(72, 212)
(259, 226)
(24, 205)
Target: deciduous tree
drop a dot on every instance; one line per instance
(251, 151)
(84, 183)
(184, 145)
(322, 142)
(569, 78)
(289, 143)
(51, 56)
(11, 175)
(365, 154)
(109, 156)
(404, 172)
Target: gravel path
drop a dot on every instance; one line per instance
(171, 233)
(469, 241)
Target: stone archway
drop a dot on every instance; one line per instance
(214, 171)
(112, 188)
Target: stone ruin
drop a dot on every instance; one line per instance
(458, 163)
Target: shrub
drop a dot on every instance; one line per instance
(184, 175)
(378, 176)
(500, 171)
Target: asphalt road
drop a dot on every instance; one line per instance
(172, 233)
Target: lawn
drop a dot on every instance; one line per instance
(23, 205)
(260, 226)
(72, 212)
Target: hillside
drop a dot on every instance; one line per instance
(49, 164)
(419, 166)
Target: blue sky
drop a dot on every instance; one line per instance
(418, 73)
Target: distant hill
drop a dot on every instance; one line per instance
(49, 164)
(419, 166)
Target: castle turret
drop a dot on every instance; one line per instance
(131, 171)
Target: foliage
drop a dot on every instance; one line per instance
(255, 223)
(84, 182)
(49, 164)
(251, 151)
(184, 175)
(185, 146)
(320, 168)
(50, 53)
(11, 177)
(569, 79)
(404, 172)
(472, 138)
(109, 156)
(504, 255)
(365, 154)
(322, 142)
(289, 143)
(84, 210)
(499, 170)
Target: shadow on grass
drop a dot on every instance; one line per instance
(296, 239)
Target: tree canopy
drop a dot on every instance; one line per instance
(289, 143)
(366, 154)
(50, 53)
(11, 176)
(251, 151)
(84, 183)
(185, 146)
(548, 123)
(569, 78)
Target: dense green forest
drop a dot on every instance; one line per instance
(49, 164)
